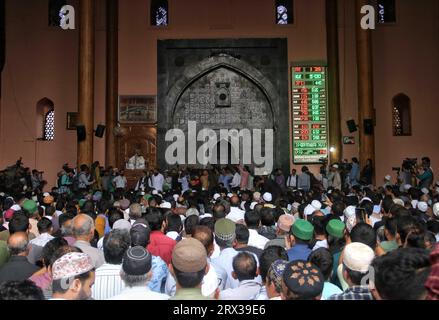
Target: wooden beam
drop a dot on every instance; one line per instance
(86, 78)
(112, 86)
(365, 85)
(333, 81)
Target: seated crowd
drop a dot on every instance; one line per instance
(258, 240)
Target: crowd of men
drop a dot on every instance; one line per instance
(190, 234)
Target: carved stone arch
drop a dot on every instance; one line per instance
(202, 68)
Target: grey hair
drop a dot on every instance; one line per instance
(134, 280)
(66, 231)
(85, 228)
(135, 211)
(20, 247)
(225, 243)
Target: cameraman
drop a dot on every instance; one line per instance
(424, 174)
(405, 176)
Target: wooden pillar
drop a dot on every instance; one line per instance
(112, 81)
(86, 78)
(2, 52)
(333, 81)
(365, 84)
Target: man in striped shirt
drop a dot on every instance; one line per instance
(108, 282)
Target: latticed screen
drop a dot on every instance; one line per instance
(54, 12)
(397, 122)
(159, 13)
(401, 115)
(284, 12)
(49, 126)
(386, 11)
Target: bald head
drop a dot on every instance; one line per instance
(83, 227)
(234, 201)
(18, 244)
(204, 235)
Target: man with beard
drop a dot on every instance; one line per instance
(73, 276)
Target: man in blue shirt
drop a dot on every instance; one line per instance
(354, 173)
(301, 234)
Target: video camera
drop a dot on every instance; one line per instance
(408, 164)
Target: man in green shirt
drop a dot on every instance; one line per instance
(189, 266)
(390, 234)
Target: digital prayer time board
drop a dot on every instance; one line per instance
(310, 114)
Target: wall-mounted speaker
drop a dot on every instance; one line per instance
(352, 126)
(100, 131)
(368, 127)
(80, 132)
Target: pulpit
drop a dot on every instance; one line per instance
(132, 177)
(136, 137)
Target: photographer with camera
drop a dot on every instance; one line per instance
(424, 174)
(37, 180)
(405, 176)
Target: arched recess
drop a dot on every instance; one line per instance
(401, 115)
(45, 119)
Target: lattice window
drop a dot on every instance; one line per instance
(159, 13)
(386, 11)
(49, 126)
(401, 115)
(284, 12)
(54, 12)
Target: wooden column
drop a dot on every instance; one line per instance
(333, 81)
(112, 81)
(86, 78)
(365, 84)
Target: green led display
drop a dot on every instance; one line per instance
(310, 114)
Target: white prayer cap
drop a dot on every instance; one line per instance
(16, 207)
(358, 257)
(166, 205)
(309, 210)
(436, 209)
(267, 196)
(422, 206)
(316, 204)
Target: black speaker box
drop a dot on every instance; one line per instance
(368, 126)
(352, 126)
(100, 131)
(80, 132)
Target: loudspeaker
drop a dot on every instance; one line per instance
(80, 132)
(352, 126)
(368, 126)
(100, 131)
